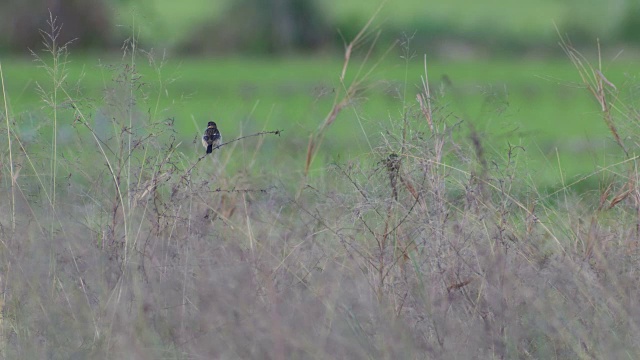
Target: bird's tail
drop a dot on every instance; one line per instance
(209, 148)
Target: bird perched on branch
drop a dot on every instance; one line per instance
(211, 137)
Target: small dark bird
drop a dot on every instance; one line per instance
(211, 137)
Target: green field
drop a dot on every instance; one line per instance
(538, 104)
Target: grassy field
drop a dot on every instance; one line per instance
(538, 104)
(464, 229)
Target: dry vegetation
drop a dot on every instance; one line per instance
(122, 246)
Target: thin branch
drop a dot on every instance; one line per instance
(188, 172)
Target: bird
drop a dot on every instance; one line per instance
(211, 137)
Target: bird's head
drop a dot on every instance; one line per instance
(211, 124)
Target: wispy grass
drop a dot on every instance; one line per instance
(56, 69)
(350, 89)
(11, 168)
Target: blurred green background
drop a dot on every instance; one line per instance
(280, 25)
(275, 64)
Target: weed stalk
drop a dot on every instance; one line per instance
(11, 169)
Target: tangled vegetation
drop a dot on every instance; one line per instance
(432, 245)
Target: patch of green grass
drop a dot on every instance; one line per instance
(533, 103)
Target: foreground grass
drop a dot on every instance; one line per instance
(436, 241)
